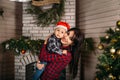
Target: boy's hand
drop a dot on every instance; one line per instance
(65, 52)
(40, 66)
(38, 61)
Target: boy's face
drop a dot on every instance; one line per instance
(59, 32)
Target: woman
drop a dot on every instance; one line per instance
(71, 41)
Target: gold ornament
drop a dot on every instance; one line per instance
(108, 69)
(113, 56)
(118, 52)
(107, 36)
(96, 79)
(110, 75)
(112, 50)
(100, 46)
(119, 77)
(117, 29)
(114, 40)
(114, 78)
(118, 23)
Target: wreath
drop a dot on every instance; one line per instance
(49, 16)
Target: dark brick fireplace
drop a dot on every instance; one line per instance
(24, 66)
(30, 69)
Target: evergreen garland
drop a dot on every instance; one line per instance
(49, 16)
(23, 44)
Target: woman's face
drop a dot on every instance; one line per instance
(67, 39)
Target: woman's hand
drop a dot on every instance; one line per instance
(39, 65)
(46, 39)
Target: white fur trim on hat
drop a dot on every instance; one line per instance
(61, 26)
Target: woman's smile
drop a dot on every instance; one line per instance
(63, 39)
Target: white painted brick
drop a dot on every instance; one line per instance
(72, 25)
(17, 74)
(43, 38)
(25, 31)
(44, 31)
(72, 10)
(70, 6)
(72, 17)
(32, 57)
(36, 57)
(22, 74)
(70, 14)
(36, 35)
(31, 25)
(28, 18)
(18, 78)
(26, 34)
(71, 21)
(32, 21)
(26, 21)
(25, 5)
(45, 35)
(25, 25)
(33, 38)
(70, 0)
(33, 31)
(23, 62)
(29, 58)
(18, 57)
(72, 3)
(26, 15)
(37, 28)
(18, 64)
(16, 70)
(17, 60)
(67, 17)
(67, 3)
(26, 60)
(23, 67)
(20, 70)
(51, 31)
(16, 67)
(48, 28)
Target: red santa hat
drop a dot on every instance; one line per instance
(63, 25)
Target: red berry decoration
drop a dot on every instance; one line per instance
(23, 51)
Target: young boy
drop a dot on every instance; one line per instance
(54, 44)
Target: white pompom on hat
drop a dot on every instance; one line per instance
(63, 25)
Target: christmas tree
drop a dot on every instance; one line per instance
(108, 67)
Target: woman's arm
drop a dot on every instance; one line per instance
(52, 57)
